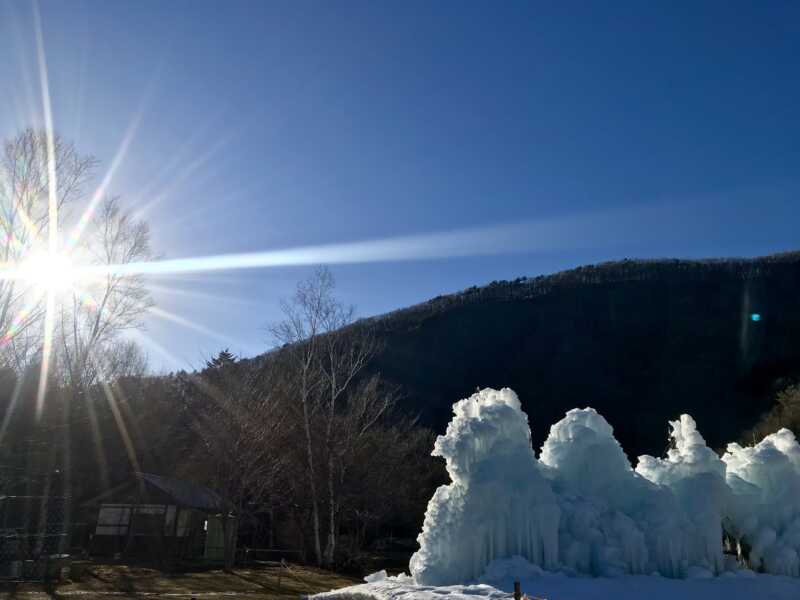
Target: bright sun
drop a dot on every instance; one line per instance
(48, 271)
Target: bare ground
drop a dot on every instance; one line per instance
(122, 581)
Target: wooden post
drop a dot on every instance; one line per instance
(517, 591)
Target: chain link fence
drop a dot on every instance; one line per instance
(33, 537)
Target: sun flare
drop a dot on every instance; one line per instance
(51, 272)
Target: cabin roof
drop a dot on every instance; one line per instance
(186, 493)
(177, 491)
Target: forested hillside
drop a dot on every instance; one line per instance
(640, 341)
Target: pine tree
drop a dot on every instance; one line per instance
(222, 360)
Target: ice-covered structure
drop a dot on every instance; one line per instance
(498, 503)
(696, 476)
(582, 509)
(765, 482)
(614, 521)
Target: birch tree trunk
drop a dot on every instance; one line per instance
(312, 483)
(329, 359)
(330, 546)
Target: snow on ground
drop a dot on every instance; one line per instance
(742, 586)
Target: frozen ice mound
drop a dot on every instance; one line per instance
(582, 509)
(498, 503)
(765, 482)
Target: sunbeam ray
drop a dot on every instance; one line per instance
(18, 322)
(97, 440)
(47, 347)
(86, 216)
(201, 296)
(168, 169)
(150, 344)
(168, 316)
(11, 408)
(52, 183)
(24, 103)
(467, 242)
(571, 232)
(584, 230)
(66, 452)
(183, 175)
(121, 427)
(28, 224)
(128, 415)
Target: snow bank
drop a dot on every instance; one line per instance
(582, 509)
(498, 503)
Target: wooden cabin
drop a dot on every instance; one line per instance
(157, 519)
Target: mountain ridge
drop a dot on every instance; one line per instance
(790, 257)
(640, 340)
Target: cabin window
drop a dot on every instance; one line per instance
(148, 519)
(113, 520)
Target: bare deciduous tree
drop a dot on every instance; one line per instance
(25, 222)
(241, 431)
(93, 316)
(41, 178)
(326, 354)
(299, 332)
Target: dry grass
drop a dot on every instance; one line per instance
(121, 581)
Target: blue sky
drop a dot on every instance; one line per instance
(606, 130)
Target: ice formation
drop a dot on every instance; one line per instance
(498, 503)
(696, 476)
(614, 521)
(765, 481)
(582, 509)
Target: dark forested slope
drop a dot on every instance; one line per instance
(640, 341)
